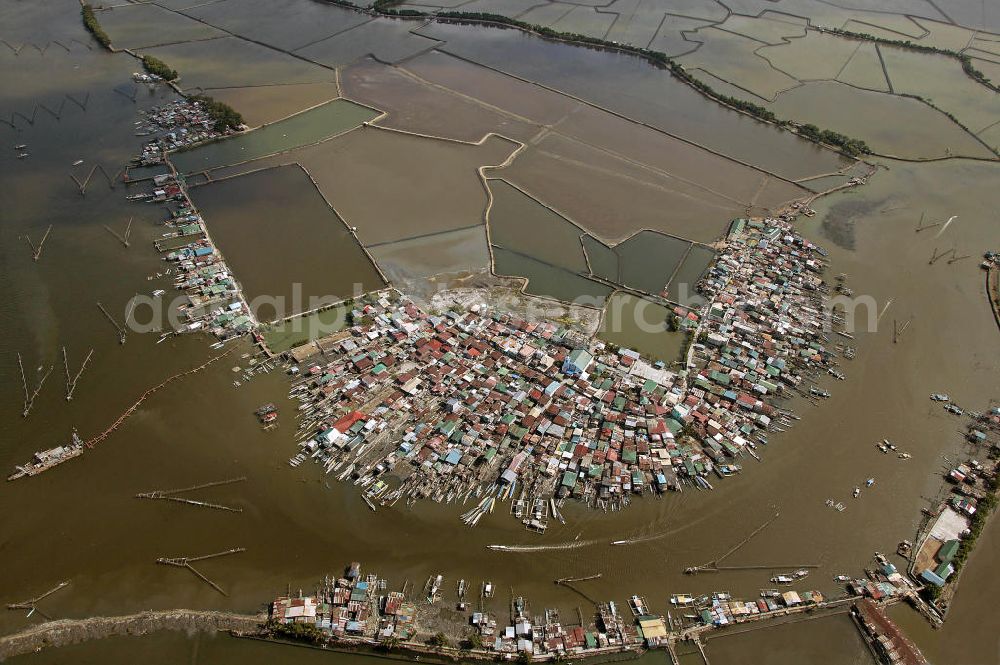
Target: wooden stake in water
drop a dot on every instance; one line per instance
(29, 400)
(121, 331)
(31, 603)
(185, 562)
(71, 381)
(123, 239)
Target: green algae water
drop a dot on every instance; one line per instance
(317, 124)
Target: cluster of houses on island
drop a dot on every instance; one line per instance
(482, 405)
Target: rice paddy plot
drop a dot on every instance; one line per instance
(141, 25)
(769, 28)
(301, 22)
(520, 223)
(416, 106)
(631, 86)
(233, 62)
(602, 259)
(734, 58)
(386, 39)
(613, 197)
(864, 69)
(671, 37)
(648, 259)
(490, 88)
(322, 122)
(888, 123)
(463, 251)
(817, 56)
(265, 104)
(682, 287)
(585, 21)
(940, 80)
(641, 325)
(285, 245)
(548, 280)
(286, 335)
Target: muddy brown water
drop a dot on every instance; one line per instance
(81, 522)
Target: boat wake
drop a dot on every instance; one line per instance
(576, 544)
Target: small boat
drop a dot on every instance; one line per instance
(487, 589)
(857, 492)
(800, 573)
(842, 578)
(682, 600)
(461, 589)
(840, 507)
(829, 503)
(940, 397)
(158, 292)
(20, 146)
(869, 482)
(22, 155)
(782, 579)
(904, 455)
(78, 162)
(638, 605)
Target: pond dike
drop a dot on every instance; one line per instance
(72, 631)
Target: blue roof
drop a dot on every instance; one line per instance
(453, 457)
(930, 576)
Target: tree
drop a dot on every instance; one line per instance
(390, 643)
(473, 641)
(439, 640)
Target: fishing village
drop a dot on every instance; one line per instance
(484, 407)
(354, 610)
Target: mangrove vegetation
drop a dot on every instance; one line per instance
(159, 68)
(90, 22)
(224, 115)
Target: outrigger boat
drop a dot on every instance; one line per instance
(434, 588)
